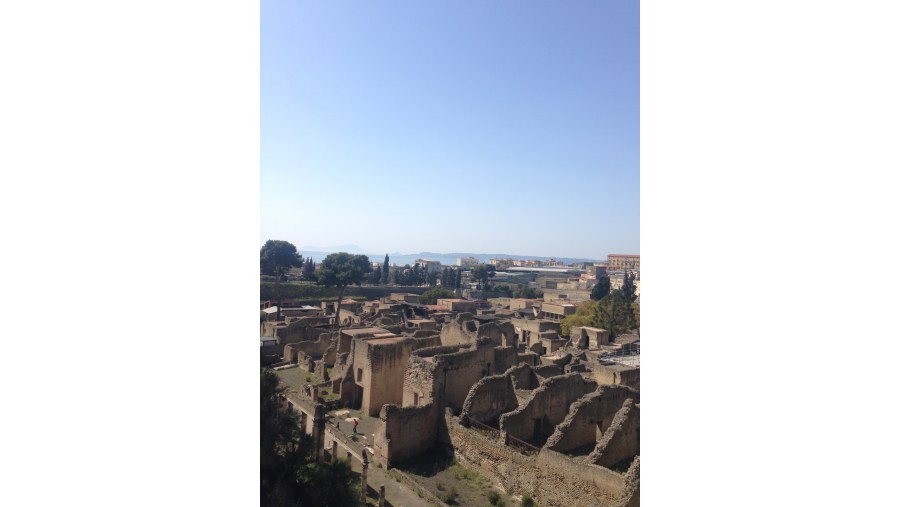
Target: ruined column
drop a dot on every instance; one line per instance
(334, 457)
(365, 469)
(381, 496)
(319, 432)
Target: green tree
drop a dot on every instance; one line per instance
(289, 474)
(628, 289)
(601, 290)
(308, 271)
(340, 270)
(276, 257)
(482, 274)
(585, 315)
(386, 270)
(615, 314)
(430, 297)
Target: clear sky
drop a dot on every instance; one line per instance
(451, 126)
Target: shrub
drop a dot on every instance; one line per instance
(450, 496)
(527, 501)
(493, 497)
(440, 486)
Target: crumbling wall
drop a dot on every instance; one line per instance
(489, 398)
(404, 432)
(552, 479)
(546, 371)
(523, 377)
(501, 334)
(548, 406)
(298, 330)
(617, 374)
(589, 417)
(418, 382)
(622, 440)
(382, 367)
(529, 358)
(461, 330)
(314, 348)
(631, 494)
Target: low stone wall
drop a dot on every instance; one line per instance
(552, 479)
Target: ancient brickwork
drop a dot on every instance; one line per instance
(404, 432)
(621, 441)
(379, 366)
(548, 406)
(552, 479)
(589, 417)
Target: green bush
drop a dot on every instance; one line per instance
(450, 497)
(527, 501)
(493, 497)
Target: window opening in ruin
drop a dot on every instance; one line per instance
(359, 374)
(416, 399)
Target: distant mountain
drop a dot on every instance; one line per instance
(401, 259)
(354, 249)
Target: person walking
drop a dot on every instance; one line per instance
(355, 422)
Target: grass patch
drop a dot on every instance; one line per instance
(450, 497)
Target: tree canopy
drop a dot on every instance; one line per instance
(276, 257)
(343, 269)
(430, 297)
(340, 270)
(601, 289)
(628, 289)
(289, 474)
(482, 274)
(613, 313)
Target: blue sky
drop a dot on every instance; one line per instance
(476, 126)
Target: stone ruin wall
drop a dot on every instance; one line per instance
(383, 367)
(579, 428)
(489, 398)
(549, 404)
(404, 432)
(552, 479)
(621, 441)
(614, 375)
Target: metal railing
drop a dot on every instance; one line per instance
(484, 428)
(521, 445)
